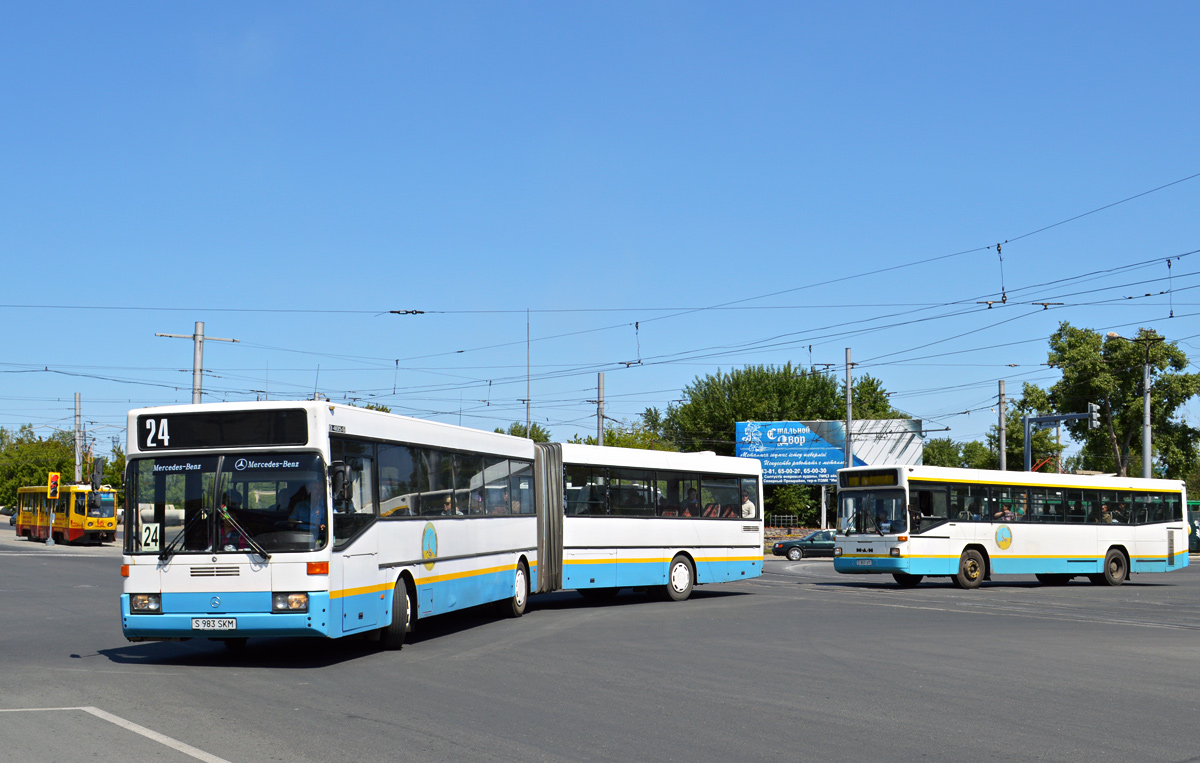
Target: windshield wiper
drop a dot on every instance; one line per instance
(167, 552)
(224, 514)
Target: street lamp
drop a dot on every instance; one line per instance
(1148, 339)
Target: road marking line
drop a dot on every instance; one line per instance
(163, 739)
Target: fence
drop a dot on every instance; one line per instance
(783, 520)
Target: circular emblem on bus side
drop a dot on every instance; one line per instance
(1003, 537)
(241, 464)
(216, 602)
(429, 545)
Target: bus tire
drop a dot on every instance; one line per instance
(1115, 567)
(392, 636)
(680, 579)
(905, 580)
(795, 554)
(515, 606)
(970, 570)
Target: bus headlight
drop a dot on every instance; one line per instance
(146, 603)
(837, 550)
(289, 602)
(895, 551)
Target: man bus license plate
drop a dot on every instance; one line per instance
(214, 623)
(864, 562)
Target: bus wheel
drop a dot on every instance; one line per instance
(392, 636)
(905, 580)
(515, 607)
(1115, 567)
(970, 569)
(679, 579)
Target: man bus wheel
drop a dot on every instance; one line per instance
(970, 569)
(680, 579)
(515, 606)
(392, 636)
(1115, 567)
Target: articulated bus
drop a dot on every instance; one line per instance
(313, 519)
(73, 520)
(969, 524)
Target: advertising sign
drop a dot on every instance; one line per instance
(811, 452)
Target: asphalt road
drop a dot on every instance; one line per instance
(800, 664)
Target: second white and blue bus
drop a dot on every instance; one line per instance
(913, 522)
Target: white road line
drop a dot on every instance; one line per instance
(174, 744)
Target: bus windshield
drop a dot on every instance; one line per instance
(231, 503)
(877, 512)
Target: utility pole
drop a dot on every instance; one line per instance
(600, 408)
(1003, 432)
(849, 413)
(197, 357)
(78, 443)
(528, 422)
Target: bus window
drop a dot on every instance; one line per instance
(468, 483)
(720, 497)
(678, 494)
(397, 481)
(750, 498)
(969, 503)
(629, 493)
(495, 489)
(927, 506)
(521, 483)
(585, 490)
(1073, 501)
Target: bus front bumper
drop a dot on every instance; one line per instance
(192, 615)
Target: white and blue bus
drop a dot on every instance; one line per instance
(314, 519)
(914, 522)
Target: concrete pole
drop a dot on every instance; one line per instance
(78, 443)
(600, 408)
(1146, 415)
(198, 363)
(1003, 432)
(824, 524)
(849, 413)
(528, 420)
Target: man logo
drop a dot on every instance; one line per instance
(241, 464)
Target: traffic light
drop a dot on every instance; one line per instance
(1093, 416)
(53, 486)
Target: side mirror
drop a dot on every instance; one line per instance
(339, 483)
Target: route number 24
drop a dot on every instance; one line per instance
(158, 430)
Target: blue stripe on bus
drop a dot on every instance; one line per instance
(1003, 565)
(251, 609)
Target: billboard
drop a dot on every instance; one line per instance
(811, 452)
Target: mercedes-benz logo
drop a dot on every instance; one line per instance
(241, 464)
(216, 602)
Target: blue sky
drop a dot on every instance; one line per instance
(288, 173)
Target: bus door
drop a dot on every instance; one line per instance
(356, 549)
(928, 517)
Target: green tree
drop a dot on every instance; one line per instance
(517, 429)
(645, 435)
(26, 459)
(1109, 372)
(942, 451)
